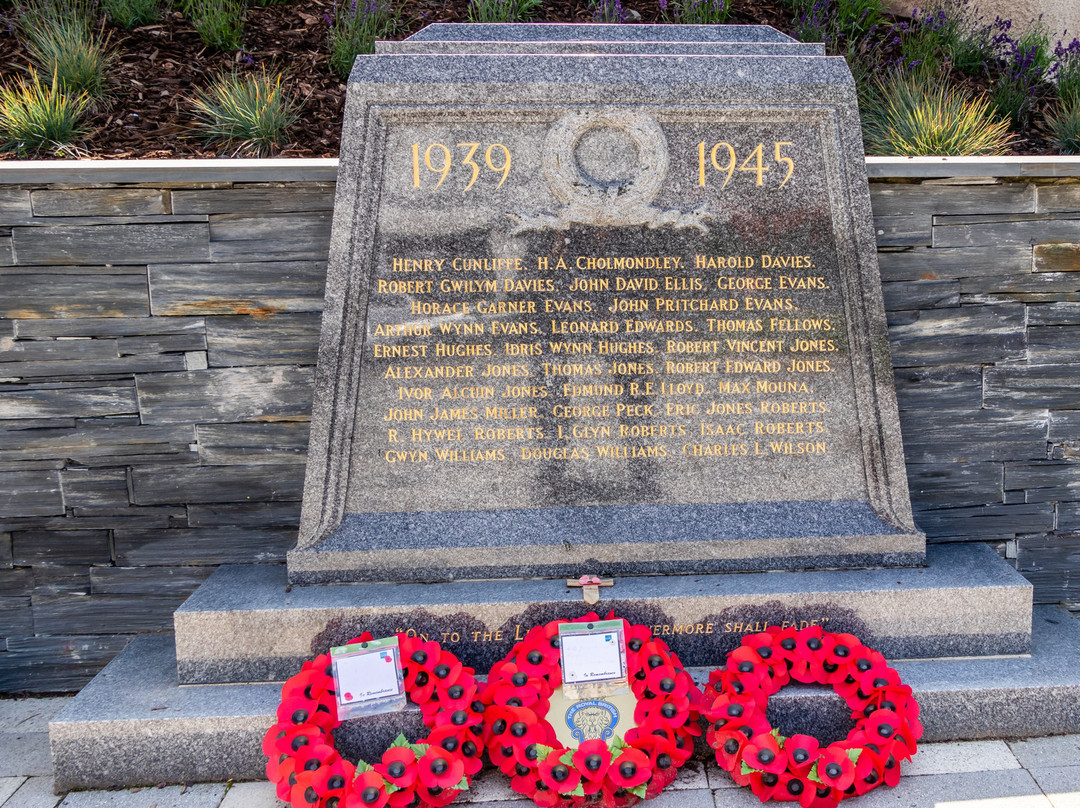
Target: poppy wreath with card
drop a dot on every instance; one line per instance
(308, 772)
(798, 768)
(604, 773)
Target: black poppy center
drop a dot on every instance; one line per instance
(559, 773)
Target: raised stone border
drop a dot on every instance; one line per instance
(158, 324)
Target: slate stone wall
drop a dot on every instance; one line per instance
(157, 344)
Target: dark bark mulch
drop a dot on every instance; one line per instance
(158, 67)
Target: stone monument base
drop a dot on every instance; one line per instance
(980, 665)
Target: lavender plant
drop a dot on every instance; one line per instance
(503, 10)
(1022, 67)
(354, 27)
(840, 24)
(697, 12)
(220, 23)
(607, 11)
(1067, 73)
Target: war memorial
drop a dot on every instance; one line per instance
(599, 303)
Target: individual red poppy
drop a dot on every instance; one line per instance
(536, 655)
(802, 753)
(881, 726)
(792, 787)
(592, 759)
(763, 784)
(404, 798)
(630, 769)
(666, 683)
(308, 685)
(764, 753)
(729, 746)
(869, 770)
(746, 662)
(559, 775)
(286, 737)
(835, 768)
(890, 768)
(368, 791)
(299, 710)
(457, 696)
(303, 793)
(440, 769)
(662, 756)
(310, 758)
(398, 766)
(764, 644)
(812, 646)
(820, 796)
(655, 713)
(286, 779)
(334, 779)
(729, 708)
(877, 678)
(436, 796)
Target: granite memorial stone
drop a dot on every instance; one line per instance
(606, 313)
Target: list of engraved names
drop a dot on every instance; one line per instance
(661, 358)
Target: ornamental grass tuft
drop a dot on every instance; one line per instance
(354, 27)
(912, 116)
(503, 10)
(249, 114)
(62, 41)
(40, 118)
(132, 13)
(1064, 127)
(220, 23)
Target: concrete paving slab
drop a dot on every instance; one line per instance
(25, 754)
(952, 758)
(1061, 784)
(695, 798)
(1040, 753)
(691, 777)
(8, 786)
(36, 792)
(1007, 789)
(30, 715)
(206, 795)
(490, 786)
(251, 795)
(718, 778)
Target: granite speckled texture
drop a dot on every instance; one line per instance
(689, 48)
(534, 32)
(136, 725)
(682, 465)
(244, 624)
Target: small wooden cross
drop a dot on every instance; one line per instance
(590, 586)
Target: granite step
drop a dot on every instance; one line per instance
(135, 724)
(246, 624)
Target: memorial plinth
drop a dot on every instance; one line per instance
(601, 312)
(594, 305)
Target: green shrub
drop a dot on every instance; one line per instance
(354, 28)
(35, 117)
(250, 114)
(1064, 127)
(62, 42)
(220, 23)
(503, 10)
(912, 116)
(132, 13)
(698, 12)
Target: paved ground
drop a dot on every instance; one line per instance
(1040, 773)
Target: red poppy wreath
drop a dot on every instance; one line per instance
(604, 773)
(308, 772)
(798, 768)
